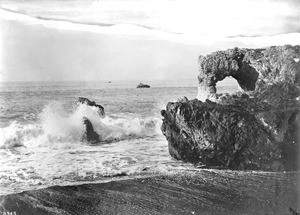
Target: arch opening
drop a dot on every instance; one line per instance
(228, 85)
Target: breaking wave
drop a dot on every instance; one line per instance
(58, 124)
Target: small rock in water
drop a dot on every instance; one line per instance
(89, 135)
(82, 100)
(141, 85)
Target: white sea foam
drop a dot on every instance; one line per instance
(16, 134)
(56, 124)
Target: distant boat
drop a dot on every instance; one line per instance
(109, 82)
(141, 85)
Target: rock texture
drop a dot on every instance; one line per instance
(89, 135)
(252, 68)
(141, 85)
(82, 100)
(254, 130)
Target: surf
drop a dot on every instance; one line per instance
(58, 124)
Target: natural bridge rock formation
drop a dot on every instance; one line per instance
(254, 130)
(252, 68)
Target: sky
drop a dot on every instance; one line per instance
(51, 40)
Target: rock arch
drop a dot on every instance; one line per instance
(219, 65)
(239, 131)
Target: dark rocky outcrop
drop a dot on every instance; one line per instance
(82, 100)
(89, 135)
(254, 130)
(141, 85)
(246, 134)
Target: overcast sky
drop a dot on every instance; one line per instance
(133, 39)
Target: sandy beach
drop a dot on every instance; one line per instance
(200, 192)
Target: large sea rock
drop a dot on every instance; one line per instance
(254, 129)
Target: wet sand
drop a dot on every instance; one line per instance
(201, 192)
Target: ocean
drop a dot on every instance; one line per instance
(41, 127)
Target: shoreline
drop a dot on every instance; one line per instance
(201, 192)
